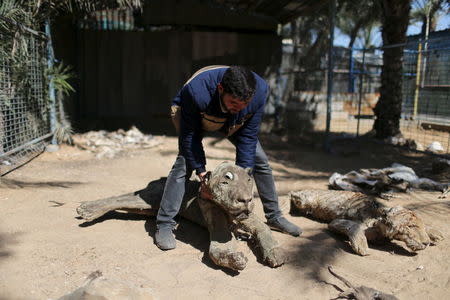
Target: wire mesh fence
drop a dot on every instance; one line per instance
(425, 118)
(24, 117)
(426, 89)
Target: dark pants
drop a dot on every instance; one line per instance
(179, 175)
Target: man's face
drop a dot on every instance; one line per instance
(232, 104)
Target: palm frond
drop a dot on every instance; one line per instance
(49, 8)
(12, 13)
(15, 10)
(423, 8)
(64, 132)
(61, 74)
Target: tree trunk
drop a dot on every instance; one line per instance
(354, 33)
(388, 109)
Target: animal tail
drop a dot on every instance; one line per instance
(345, 281)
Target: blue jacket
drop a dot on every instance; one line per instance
(199, 101)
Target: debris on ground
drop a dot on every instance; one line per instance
(382, 182)
(440, 165)
(435, 147)
(398, 140)
(414, 145)
(109, 144)
(361, 292)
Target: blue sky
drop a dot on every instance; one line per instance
(443, 23)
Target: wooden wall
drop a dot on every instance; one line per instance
(130, 77)
(203, 13)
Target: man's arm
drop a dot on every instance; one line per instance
(246, 139)
(190, 140)
(247, 136)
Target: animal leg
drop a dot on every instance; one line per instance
(272, 254)
(375, 236)
(222, 249)
(91, 210)
(355, 233)
(145, 201)
(434, 234)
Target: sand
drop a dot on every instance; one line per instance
(46, 251)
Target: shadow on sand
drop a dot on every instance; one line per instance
(186, 231)
(19, 184)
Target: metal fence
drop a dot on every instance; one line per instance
(24, 108)
(117, 19)
(426, 93)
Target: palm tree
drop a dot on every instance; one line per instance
(19, 18)
(355, 16)
(395, 19)
(427, 12)
(367, 37)
(309, 36)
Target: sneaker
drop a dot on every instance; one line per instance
(164, 239)
(283, 225)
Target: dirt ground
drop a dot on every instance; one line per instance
(46, 251)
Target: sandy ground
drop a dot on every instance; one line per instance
(409, 129)
(46, 251)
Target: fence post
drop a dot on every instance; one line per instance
(51, 87)
(332, 17)
(418, 75)
(351, 77)
(361, 81)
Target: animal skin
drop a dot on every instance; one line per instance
(226, 211)
(383, 182)
(362, 218)
(361, 292)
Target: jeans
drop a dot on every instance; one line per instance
(180, 173)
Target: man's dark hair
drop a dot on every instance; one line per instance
(239, 82)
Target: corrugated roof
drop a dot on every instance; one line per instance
(282, 10)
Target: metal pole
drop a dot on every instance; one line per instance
(351, 77)
(51, 87)
(418, 75)
(332, 17)
(425, 50)
(361, 81)
(34, 141)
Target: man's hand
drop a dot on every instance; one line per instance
(204, 190)
(201, 176)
